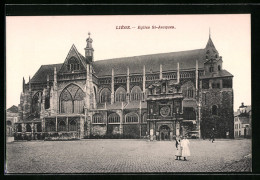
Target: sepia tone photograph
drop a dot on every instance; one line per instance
(128, 94)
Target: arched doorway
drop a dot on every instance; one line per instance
(164, 133)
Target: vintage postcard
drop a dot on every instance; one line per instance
(128, 94)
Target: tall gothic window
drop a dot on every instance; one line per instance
(214, 110)
(131, 118)
(120, 94)
(28, 128)
(97, 118)
(114, 118)
(72, 100)
(145, 118)
(19, 128)
(188, 90)
(105, 96)
(73, 64)
(62, 126)
(136, 93)
(73, 125)
(36, 104)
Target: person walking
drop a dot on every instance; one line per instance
(185, 148)
(179, 149)
(212, 135)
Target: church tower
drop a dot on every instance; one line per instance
(216, 94)
(89, 51)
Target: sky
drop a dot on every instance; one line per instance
(33, 41)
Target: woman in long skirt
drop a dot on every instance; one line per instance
(185, 148)
(179, 149)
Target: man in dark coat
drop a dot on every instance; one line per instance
(212, 135)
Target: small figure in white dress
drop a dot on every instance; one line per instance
(185, 148)
(179, 149)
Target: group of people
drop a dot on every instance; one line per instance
(183, 149)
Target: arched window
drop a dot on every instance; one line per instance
(50, 126)
(214, 110)
(120, 94)
(136, 93)
(73, 125)
(211, 69)
(219, 67)
(188, 90)
(105, 96)
(73, 64)
(62, 126)
(97, 118)
(19, 128)
(36, 104)
(114, 118)
(72, 100)
(131, 118)
(47, 102)
(28, 128)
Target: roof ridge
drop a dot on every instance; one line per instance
(149, 55)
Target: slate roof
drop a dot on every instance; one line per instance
(13, 109)
(41, 75)
(136, 105)
(186, 59)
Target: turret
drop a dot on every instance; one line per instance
(89, 51)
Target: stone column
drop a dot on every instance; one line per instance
(178, 73)
(112, 88)
(56, 123)
(161, 76)
(221, 83)
(151, 131)
(67, 122)
(197, 77)
(128, 86)
(177, 128)
(121, 120)
(32, 128)
(144, 81)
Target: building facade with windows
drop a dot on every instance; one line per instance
(159, 96)
(11, 119)
(242, 122)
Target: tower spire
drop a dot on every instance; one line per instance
(209, 33)
(89, 49)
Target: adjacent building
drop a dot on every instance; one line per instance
(159, 96)
(242, 122)
(11, 119)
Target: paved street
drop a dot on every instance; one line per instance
(126, 156)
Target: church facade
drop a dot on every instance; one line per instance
(157, 96)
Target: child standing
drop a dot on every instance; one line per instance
(179, 149)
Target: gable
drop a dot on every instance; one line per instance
(74, 62)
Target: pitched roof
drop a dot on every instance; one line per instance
(221, 73)
(41, 75)
(13, 109)
(186, 59)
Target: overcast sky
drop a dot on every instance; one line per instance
(35, 41)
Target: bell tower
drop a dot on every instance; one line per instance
(89, 51)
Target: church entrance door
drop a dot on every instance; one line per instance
(164, 133)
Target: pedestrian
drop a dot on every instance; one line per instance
(185, 148)
(212, 135)
(179, 149)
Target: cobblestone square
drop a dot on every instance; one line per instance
(126, 156)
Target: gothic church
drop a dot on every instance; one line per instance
(156, 96)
